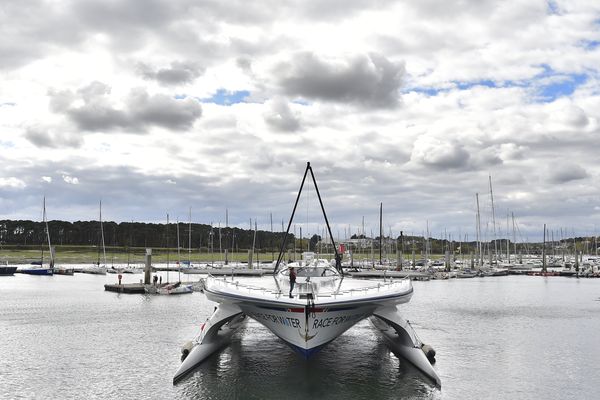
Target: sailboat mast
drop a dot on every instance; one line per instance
(544, 251)
(507, 239)
(427, 246)
(102, 234)
(178, 247)
(493, 220)
(178, 252)
(514, 235)
(190, 239)
(380, 230)
(272, 245)
(167, 247)
(478, 232)
(48, 235)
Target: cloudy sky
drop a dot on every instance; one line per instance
(156, 106)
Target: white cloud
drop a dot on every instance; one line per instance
(47, 179)
(71, 180)
(12, 182)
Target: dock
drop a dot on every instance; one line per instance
(227, 271)
(129, 288)
(416, 275)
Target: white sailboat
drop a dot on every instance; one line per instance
(98, 269)
(39, 269)
(171, 288)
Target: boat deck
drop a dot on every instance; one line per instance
(345, 290)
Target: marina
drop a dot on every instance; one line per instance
(489, 333)
(163, 234)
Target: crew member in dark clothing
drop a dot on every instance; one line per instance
(292, 280)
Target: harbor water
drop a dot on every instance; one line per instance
(514, 337)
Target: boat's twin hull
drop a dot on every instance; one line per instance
(305, 326)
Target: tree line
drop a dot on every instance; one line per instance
(137, 234)
(210, 238)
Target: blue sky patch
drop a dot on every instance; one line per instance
(590, 44)
(424, 90)
(431, 91)
(553, 7)
(551, 85)
(565, 85)
(302, 102)
(227, 98)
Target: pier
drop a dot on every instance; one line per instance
(390, 274)
(129, 288)
(228, 271)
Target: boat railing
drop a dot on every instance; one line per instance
(361, 291)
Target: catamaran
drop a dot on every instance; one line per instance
(322, 305)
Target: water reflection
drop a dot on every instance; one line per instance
(259, 365)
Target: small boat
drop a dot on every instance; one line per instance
(172, 288)
(7, 271)
(96, 269)
(62, 270)
(466, 273)
(37, 271)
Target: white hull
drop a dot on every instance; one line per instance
(182, 289)
(307, 329)
(94, 270)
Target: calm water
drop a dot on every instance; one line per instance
(502, 338)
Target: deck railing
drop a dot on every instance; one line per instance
(304, 288)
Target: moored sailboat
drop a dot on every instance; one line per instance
(96, 268)
(39, 268)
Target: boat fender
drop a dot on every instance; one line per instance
(185, 349)
(429, 352)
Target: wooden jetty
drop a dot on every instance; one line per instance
(130, 288)
(416, 275)
(227, 271)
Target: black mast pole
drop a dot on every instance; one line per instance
(290, 223)
(380, 230)
(338, 258)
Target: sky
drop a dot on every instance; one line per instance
(157, 106)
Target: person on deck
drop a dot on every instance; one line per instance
(292, 280)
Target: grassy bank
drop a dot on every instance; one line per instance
(120, 255)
